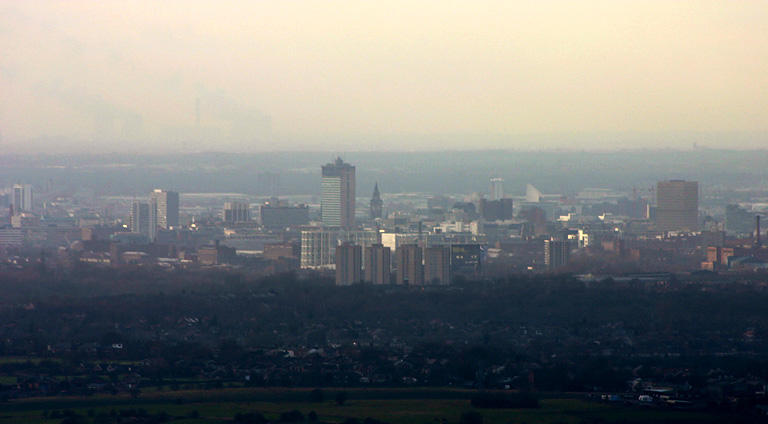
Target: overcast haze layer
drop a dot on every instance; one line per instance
(392, 75)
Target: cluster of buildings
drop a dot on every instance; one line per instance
(476, 236)
(369, 251)
(160, 212)
(400, 238)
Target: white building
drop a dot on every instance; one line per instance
(22, 198)
(337, 194)
(318, 245)
(497, 188)
(165, 205)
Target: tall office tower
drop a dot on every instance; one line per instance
(141, 218)
(377, 205)
(437, 265)
(409, 268)
(677, 205)
(236, 212)
(497, 188)
(165, 204)
(22, 198)
(377, 264)
(557, 253)
(349, 263)
(337, 203)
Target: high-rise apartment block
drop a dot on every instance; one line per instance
(337, 189)
(349, 263)
(22, 198)
(557, 253)
(437, 265)
(160, 212)
(409, 267)
(377, 263)
(141, 220)
(677, 205)
(497, 188)
(165, 204)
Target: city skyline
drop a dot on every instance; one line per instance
(355, 212)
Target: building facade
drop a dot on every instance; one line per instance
(467, 260)
(318, 245)
(437, 265)
(496, 210)
(141, 220)
(349, 263)
(377, 264)
(677, 205)
(557, 253)
(165, 204)
(739, 220)
(22, 198)
(318, 248)
(497, 188)
(337, 191)
(409, 265)
(236, 212)
(283, 216)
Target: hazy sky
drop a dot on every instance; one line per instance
(396, 75)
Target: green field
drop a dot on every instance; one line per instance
(22, 359)
(406, 406)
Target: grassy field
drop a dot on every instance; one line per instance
(406, 406)
(22, 359)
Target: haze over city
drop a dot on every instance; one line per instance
(390, 212)
(145, 76)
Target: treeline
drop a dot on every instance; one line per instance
(230, 301)
(277, 310)
(483, 333)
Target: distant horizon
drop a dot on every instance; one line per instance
(693, 141)
(438, 171)
(346, 75)
(332, 154)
